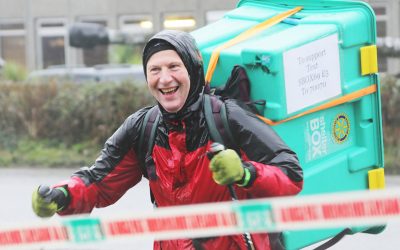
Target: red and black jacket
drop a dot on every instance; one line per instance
(182, 174)
(179, 162)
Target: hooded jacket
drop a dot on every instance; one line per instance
(182, 174)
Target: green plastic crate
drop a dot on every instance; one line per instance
(303, 62)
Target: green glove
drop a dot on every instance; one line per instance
(47, 201)
(226, 167)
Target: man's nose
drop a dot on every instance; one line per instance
(165, 76)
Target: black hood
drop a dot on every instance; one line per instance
(185, 45)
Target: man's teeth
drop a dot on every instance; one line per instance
(169, 90)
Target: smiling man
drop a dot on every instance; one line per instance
(168, 80)
(177, 167)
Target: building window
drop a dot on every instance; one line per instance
(51, 42)
(381, 28)
(179, 22)
(138, 27)
(380, 10)
(97, 54)
(13, 42)
(382, 32)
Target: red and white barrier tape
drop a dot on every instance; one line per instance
(262, 215)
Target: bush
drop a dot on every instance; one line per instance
(93, 111)
(13, 72)
(66, 124)
(64, 114)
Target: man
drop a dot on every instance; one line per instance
(182, 173)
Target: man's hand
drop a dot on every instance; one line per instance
(47, 201)
(226, 167)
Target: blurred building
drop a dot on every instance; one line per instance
(34, 33)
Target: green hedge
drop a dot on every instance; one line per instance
(63, 115)
(58, 124)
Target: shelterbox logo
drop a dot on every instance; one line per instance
(316, 138)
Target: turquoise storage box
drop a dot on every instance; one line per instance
(317, 72)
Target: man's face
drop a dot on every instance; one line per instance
(168, 80)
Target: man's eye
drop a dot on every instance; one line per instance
(174, 66)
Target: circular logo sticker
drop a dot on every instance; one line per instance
(341, 128)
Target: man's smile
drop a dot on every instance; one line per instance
(166, 91)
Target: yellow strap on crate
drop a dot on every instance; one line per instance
(245, 35)
(343, 99)
(376, 179)
(368, 65)
(369, 60)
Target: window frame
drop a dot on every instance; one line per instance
(57, 31)
(17, 33)
(103, 20)
(382, 18)
(138, 34)
(184, 15)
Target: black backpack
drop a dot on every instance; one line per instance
(237, 88)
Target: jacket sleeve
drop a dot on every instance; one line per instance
(274, 166)
(115, 171)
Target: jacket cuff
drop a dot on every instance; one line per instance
(63, 199)
(249, 176)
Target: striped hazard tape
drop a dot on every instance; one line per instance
(360, 208)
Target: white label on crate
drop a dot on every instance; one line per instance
(312, 73)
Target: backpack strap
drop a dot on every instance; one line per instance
(217, 122)
(148, 130)
(334, 240)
